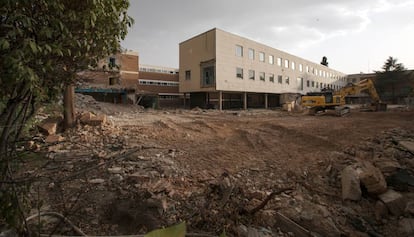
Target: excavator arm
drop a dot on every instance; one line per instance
(364, 86)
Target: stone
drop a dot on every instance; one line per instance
(401, 180)
(407, 226)
(48, 127)
(387, 166)
(242, 231)
(54, 138)
(409, 145)
(90, 119)
(96, 181)
(117, 178)
(394, 201)
(350, 184)
(372, 178)
(115, 170)
(409, 208)
(381, 211)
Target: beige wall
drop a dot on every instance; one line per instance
(198, 49)
(227, 62)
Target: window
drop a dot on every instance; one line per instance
(317, 85)
(293, 65)
(320, 73)
(271, 77)
(287, 80)
(251, 54)
(208, 76)
(271, 59)
(113, 81)
(262, 76)
(279, 79)
(307, 83)
(112, 62)
(307, 69)
(251, 74)
(300, 83)
(324, 73)
(239, 73)
(313, 84)
(321, 85)
(286, 63)
(279, 61)
(239, 50)
(261, 56)
(300, 68)
(188, 75)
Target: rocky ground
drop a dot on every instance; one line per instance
(250, 173)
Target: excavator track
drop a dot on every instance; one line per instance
(342, 111)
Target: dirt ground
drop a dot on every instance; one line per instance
(149, 169)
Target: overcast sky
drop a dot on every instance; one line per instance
(355, 35)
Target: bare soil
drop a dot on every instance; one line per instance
(210, 168)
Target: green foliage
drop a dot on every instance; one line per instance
(391, 65)
(178, 230)
(43, 44)
(394, 81)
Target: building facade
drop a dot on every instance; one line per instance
(121, 79)
(163, 82)
(222, 70)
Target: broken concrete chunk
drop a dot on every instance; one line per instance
(387, 166)
(48, 127)
(409, 145)
(410, 208)
(54, 139)
(372, 178)
(90, 119)
(394, 201)
(350, 184)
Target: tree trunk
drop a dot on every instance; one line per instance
(69, 106)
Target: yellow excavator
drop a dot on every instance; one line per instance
(319, 102)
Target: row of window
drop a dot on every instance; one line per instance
(148, 69)
(169, 97)
(271, 78)
(157, 82)
(262, 76)
(286, 63)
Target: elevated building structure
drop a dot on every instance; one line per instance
(223, 70)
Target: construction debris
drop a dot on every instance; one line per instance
(261, 173)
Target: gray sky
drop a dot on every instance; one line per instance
(355, 35)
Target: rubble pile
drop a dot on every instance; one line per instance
(86, 103)
(113, 180)
(380, 179)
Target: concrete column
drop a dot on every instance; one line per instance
(266, 101)
(220, 100)
(185, 100)
(245, 100)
